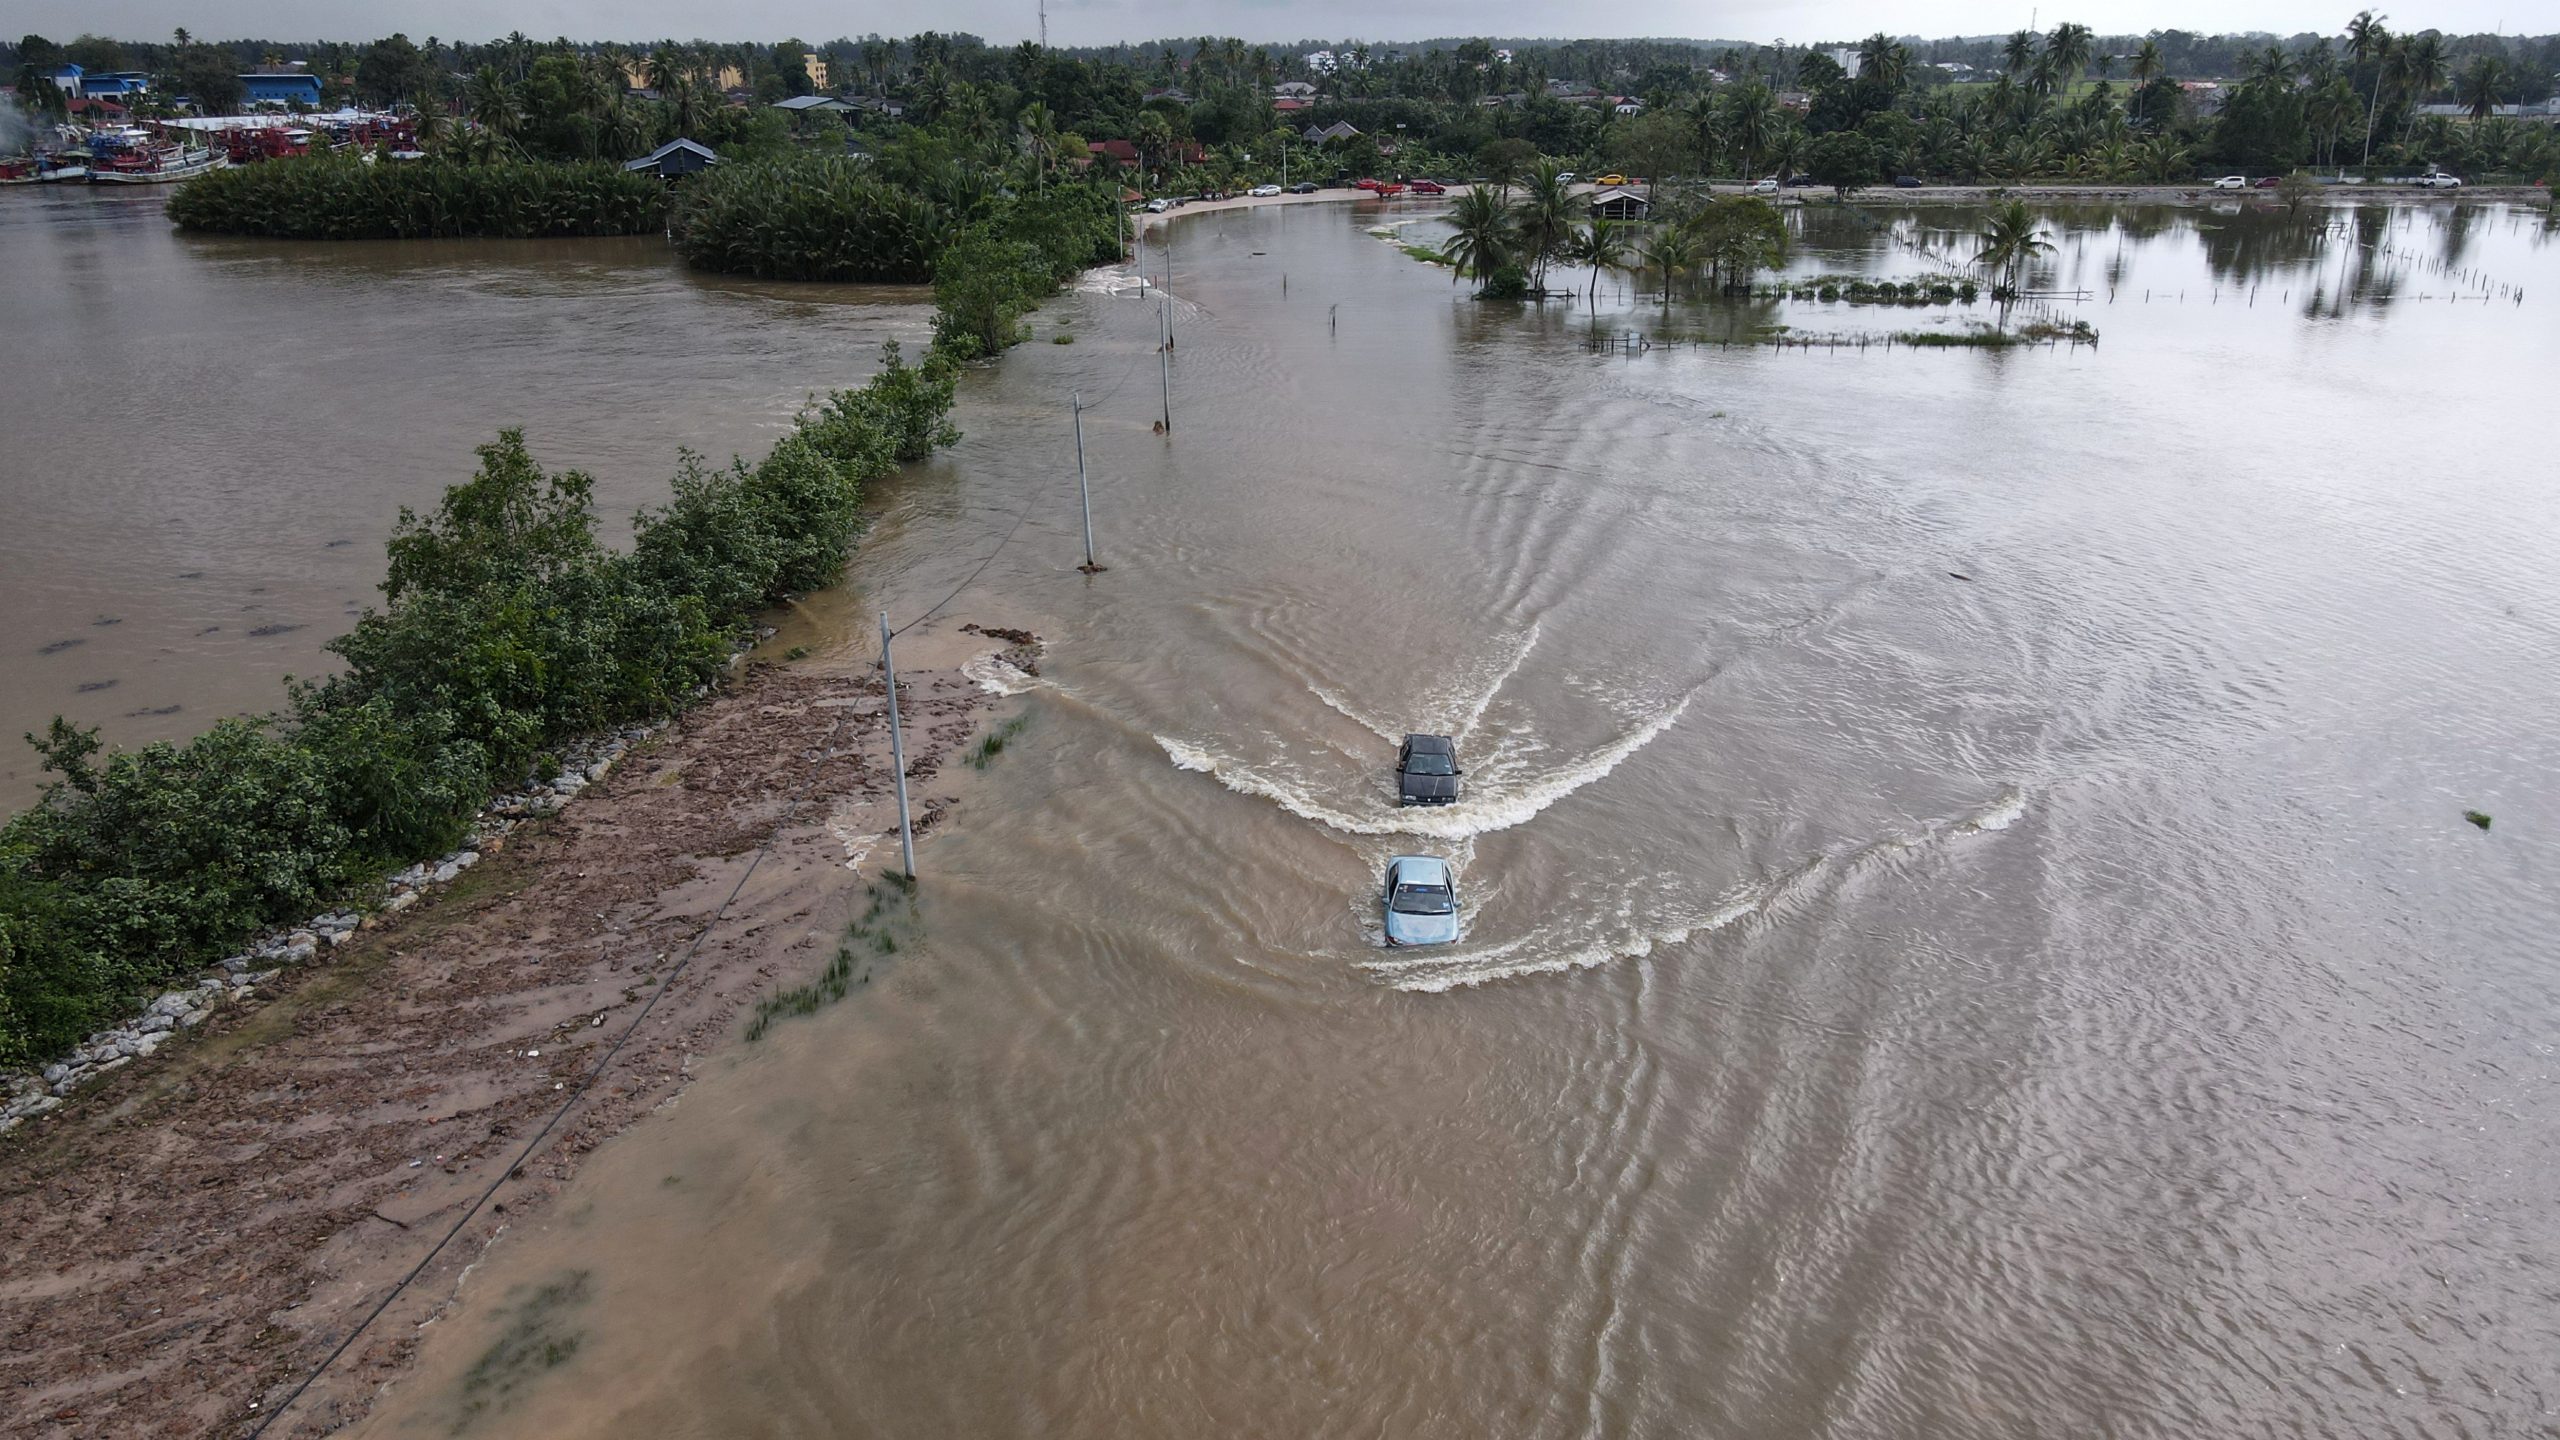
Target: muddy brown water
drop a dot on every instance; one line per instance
(2062, 1000)
(208, 439)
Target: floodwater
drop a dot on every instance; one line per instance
(1971, 926)
(207, 440)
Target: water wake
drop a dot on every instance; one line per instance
(1490, 804)
(997, 675)
(1548, 954)
(1454, 711)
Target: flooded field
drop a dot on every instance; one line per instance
(208, 439)
(1971, 927)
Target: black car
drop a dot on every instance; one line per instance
(1303, 187)
(1906, 182)
(1427, 770)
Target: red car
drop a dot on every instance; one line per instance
(1364, 184)
(1387, 189)
(2265, 182)
(1429, 187)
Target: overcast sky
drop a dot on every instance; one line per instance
(1095, 22)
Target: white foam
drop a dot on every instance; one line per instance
(1488, 806)
(1455, 714)
(1550, 953)
(999, 676)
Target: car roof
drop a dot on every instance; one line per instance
(1420, 869)
(1440, 743)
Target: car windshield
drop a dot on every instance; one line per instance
(1423, 900)
(1423, 762)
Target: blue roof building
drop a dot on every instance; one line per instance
(293, 88)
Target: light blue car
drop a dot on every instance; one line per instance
(1422, 901)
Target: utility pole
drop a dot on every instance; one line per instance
(897, 749)
(1164, 365)
(1084, 491)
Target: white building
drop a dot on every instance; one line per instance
(1320, 61)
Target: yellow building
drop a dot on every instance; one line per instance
(817, 69)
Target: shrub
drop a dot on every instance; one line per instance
(809, 218)
(1508, 282)
(339, 197)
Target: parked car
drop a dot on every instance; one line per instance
(2232, 182)
(1427, 770)
(1303, 187)
(1387, 189)
(1159, 205)
(1429, 187)
(2265, 182)
(1421, 901)
(1570, 178)
(1613, 178)
(1768, 186)
(1364, 183)
(1799, 182)
(1906, 182)
(2437, 180)
(1263, 191)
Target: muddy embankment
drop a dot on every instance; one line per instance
(197, 1232)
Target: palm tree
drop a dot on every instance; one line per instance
(1602, 245)
(2010, 239)
(492, 105)
(1786, 149)
(1751, 118)
(2162, 158)
(2069, 47)
(1672, 251)
(2422, 70)
(2148, 64)
(2368, 42)
(2020, 51)
(2477, 87)
(1884, 60)
(1483, 241)
(1544, 217)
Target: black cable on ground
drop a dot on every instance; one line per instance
(585, 1083)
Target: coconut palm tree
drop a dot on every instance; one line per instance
(1602, 245)
(492, 105)
(2020, 51)
(2422, 72)
(1883, 60)
(1483, 240)
(2148, 64)
(2162, 159)
(1786, 149)
(1751, 117)
(1672, 252)
(2477, 87)
(1544, 217)
(2010, 239)
(2069, 45)
(2369, 43)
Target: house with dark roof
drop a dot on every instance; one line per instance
(676, 158)
(1338, 130)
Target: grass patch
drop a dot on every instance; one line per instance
(796, 652)
(892, 910)
(1426, 254)
(992, 744)
(2477, 817)
(1062, 339)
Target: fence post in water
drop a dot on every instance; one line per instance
(1084, 491)
(1164, 366)
(897, 749)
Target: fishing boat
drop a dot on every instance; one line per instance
(134, 157)
(45, 169)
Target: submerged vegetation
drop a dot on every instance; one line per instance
(873, 936)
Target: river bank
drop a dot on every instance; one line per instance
(201, 1230)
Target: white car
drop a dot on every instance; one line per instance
(1766, 187)
(1158, 206)
(2437, 180)
(2232, 182)
(1263, 191)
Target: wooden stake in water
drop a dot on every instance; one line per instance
(897, 749)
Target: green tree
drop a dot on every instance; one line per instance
(1671, 252)
(1751, 118)
(1602, 246)
(394, 70)
(2478, 85)
(2010, 239)
(1503, 160)
(1844, 160)
(207, 76)
(1482, 239)
(1544, 218)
